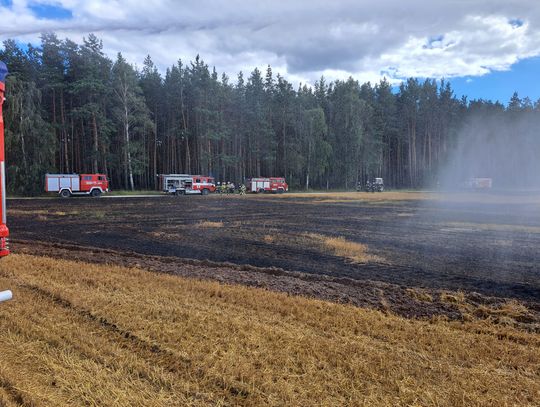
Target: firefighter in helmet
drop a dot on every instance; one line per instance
(242, 189)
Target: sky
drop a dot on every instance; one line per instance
(486, 48)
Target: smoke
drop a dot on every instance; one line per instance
(503, 146)
(485, 240)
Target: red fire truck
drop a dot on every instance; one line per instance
(276, 185)
(76, 184)
(186, 184)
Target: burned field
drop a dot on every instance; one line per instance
(391, 243)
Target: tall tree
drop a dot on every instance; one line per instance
(132, 116)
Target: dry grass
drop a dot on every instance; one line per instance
(97, 214)
(456, 297)
(419, 295)
(391, 196)
(209, 224)
(405, 215)
(494, 227)
(354, 196)
(41, 212)
(79, 334)
(269, 238)
(510, 312)
(339, 246)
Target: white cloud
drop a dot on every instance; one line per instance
(302, 39)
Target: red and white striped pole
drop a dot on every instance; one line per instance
(4, 232)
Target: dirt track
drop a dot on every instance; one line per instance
(490, 248)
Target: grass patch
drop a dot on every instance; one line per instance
(209, 224)
(419, 295)
(457, 297)
(509, 312)
(97, 214)
(269, 238)
(339, 246)
(140, 192)
(350, 197)
(87, 334)
(495, 227)
(44, 212)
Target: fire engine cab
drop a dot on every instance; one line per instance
(276, 185)
(186, 184)
(76, 184)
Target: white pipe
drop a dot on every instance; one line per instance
(6, 295)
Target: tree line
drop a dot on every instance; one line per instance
(71, 109)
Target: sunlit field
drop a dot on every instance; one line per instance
(82, 334)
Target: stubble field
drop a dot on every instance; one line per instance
(79, 334)
(352, 299)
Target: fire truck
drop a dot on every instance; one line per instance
(186, 184)
(4, 232)
(260, 185)
(67, 185)
(480, 183)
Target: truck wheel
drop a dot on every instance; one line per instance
(65, 193)
(280, 190)
(204, 192)
(95, 193)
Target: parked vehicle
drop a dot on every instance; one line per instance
(186, 184)
(375, 185)
(480, 183)
(77, 184)
(260, 185)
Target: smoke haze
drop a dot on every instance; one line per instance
(504, 146)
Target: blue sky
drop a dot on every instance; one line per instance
(47, 11)
(523, 77)
(486, 49)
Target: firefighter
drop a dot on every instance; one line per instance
(242, 189)
(223, 188)
(231, 188)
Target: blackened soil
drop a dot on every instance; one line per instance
(489, 248)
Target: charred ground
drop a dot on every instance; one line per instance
(488, 245)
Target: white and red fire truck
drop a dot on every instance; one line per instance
(76, 184)
(259, 185)
(480, 183)
(186, 184)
